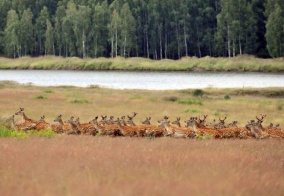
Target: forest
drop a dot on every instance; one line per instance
(156, 29)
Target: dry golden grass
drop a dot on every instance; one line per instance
(243, 105)
(76, 165)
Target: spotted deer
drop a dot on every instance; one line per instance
(130, 121)
(272, 132)
(202, 121)
(126, 130)
(85, 128)
(25, 126)
(41, 124)
(147, 121)
(24, 117)
(73, 129)
(201, 130)
(221, 124)
(177, 122)
(111, 130)
(178, 132)
(64, 127)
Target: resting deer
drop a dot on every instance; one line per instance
(111, 130)
(21, 126)
(177, 122)
(147, 121)
(202, 121)
(130, 119)
(221, 124)
(63, 127)
(126, 130)
(275, 133)
(85, 128)
(41, 124)
(178, 132)
(24, 117)
(201, 130)
(73, 129)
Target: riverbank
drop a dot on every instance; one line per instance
(237, 64)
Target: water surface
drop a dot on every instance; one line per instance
(144, 80)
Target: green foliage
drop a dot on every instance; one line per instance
(191, 111)
(198, 93)
(40, 97)
(48, 91)
(204, 137)
(79, 101)
(46, 133)
(157, 30)
(190, 102)
(227, 97)
(171, 98)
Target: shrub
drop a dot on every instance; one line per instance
(170, 98)
(40, 97)
(79, 101)
(227, 97)
(198, 93)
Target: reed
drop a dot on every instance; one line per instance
(239, 63)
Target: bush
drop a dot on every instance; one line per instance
(79, 101)
(198, 93)
(170, 98)
(227, 97)
(40, 97)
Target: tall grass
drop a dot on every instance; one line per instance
(239, 63)
(76, 165)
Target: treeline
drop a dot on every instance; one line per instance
(154, 29)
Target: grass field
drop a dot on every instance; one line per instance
(237, 104)
(239, 63)
(76, 165)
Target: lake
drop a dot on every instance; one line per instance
(144, 80)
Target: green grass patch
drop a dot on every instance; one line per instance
(190, 102)
(135, 97)
(191, 111)
(6, 132)
(46, 133)
(48, 91)
(79, 101)
(204, 137)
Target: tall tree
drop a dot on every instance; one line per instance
(26, 36)
(49, 41)
(40, 29)
(11, 34)
(128, 29)
(275, 28)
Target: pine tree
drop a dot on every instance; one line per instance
(26, 32)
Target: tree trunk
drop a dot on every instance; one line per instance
(228, 41)
(185, 41)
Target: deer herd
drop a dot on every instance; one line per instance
(194, 127)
